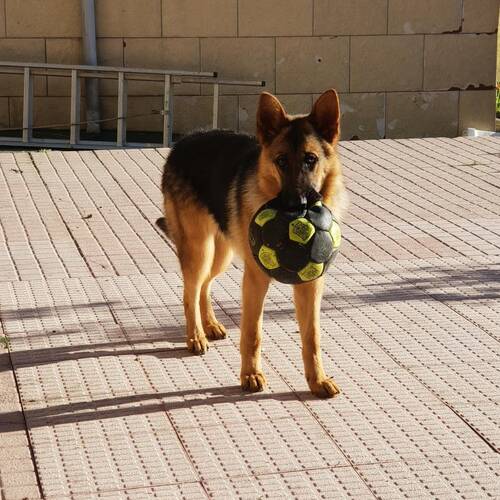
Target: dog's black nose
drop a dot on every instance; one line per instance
(293, 201)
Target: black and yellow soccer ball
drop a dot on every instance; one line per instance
(294, 246)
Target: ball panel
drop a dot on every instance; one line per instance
(285, 276)
(322, 247)
(275, 233)
(320, 216)
(335, 234)
(311, 271)
(293, 256)
(268, 258)
(265, 216)
(300, 230)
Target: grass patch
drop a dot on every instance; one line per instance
(4, 342)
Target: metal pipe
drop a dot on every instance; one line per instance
(89, 45)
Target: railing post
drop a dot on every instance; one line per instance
(168, 116)
(121, 129)
(215, 111)
(74, 134)
(27, 105)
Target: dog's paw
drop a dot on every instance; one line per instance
(215, 330)
(325, 388)
(253, 382)
(198, 345)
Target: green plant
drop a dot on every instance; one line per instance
(4, 342)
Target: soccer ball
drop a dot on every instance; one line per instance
(294, 247)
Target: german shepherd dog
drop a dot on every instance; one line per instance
(213, 183)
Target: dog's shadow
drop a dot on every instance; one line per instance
(141, 404)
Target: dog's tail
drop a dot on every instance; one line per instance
(162, 224)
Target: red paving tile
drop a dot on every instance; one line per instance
(100, 399)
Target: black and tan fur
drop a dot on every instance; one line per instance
(213, 183)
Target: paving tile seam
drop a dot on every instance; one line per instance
(84, 187)
(394, 240)
(118, 182)
(31, 445)
(435, 394)
(383, 188)
(408, 169)
(14, 205)
(403, 188)
(85, 160)
(417, 228)
(308, 409)
(124, 490)
(68, 229)
(438, 298)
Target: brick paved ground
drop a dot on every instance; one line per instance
(99, 398)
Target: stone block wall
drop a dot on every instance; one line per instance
(404, 68)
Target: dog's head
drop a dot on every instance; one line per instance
(298, 152)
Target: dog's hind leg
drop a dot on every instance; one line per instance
(307, 298)
(195, 248)
(222, 257)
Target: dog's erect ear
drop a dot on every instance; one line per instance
(325, 115)
(271, 118)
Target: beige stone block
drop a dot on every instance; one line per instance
(240, 59)
(195, 112)
(200, 18)
(62, 51)
(21, 50)
(2, 18)
(386, 63)
(480, 16)
(162, 53)
(128, 18)
(190, 113)
(307, 65)
(247, 108)
(477, 110)
(69, 51)
(341, 17)
(142, 111)
(363, 116)
(424, 16)
(43, 18)
(459, 61)
(46, 111)
(4, 112)
(109, 53)
(275, 17)
(422, 114)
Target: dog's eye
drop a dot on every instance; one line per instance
(281, 161)
(310, 160)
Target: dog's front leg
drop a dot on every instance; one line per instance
(255, 285)
(307, 306)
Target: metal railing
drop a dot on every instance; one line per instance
(123, 75)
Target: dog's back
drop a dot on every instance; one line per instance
(204, 166)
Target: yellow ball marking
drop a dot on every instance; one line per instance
(301, 230)
(265, 216)
(311, 271)
(335, 234)
(268, 258)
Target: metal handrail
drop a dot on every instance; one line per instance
(106, 69)
(123, 75)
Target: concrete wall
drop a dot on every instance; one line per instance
(404, 68)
